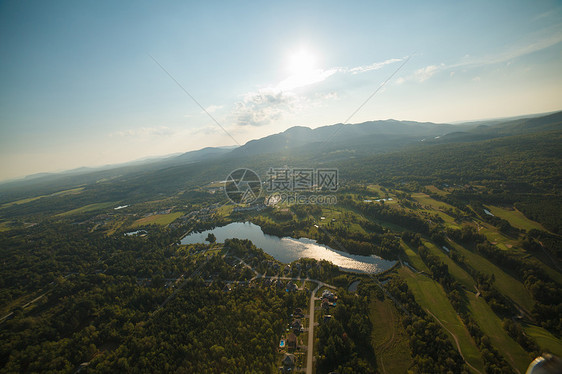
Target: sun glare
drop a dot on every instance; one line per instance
(303, 70)
(301, 62)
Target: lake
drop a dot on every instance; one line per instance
(288, 250)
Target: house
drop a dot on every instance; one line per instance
(291, 287)
(298, 313)
(329, 295)
(289, 362)
(296, 326)
(292, 341)
(327, 303)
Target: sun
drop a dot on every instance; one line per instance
(301, 62)
(302, 68)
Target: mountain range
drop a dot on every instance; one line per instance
(333, 143)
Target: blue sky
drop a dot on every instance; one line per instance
(78, 85)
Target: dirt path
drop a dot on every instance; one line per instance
(456, 341)
(388, 342)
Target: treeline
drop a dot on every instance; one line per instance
(527, 163)
(114, 320)
(344, 341)
(523, 170)
(502, 306)
(36, 256)
(82, 316)
(494, 362)
(544, 290)
(379, 211)
(538, 240)
(432, 351)
(281, 229)
(357, 243)
(206, 330)
(376, 241)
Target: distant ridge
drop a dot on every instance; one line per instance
(353, 140)
(339, 134)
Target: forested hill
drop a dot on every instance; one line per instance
(524, 170)
(524, 163)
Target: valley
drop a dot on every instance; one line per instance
(98, 275)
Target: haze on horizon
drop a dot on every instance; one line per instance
(81, 84)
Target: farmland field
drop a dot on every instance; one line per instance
(157, 219)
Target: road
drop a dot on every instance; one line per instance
(310, 346)
(311, 322)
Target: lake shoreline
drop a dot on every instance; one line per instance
(287, 249)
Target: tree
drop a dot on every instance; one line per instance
(211, 238)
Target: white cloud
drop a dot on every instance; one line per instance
(374, 66)
(261, 108)
(271, 103)
(313, 76)
(423, 74)
(329, 96)
(213, 108)
(540, 41)
(305, 78)
(211, 129)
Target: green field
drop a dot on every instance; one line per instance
(425, 199)
(22, 201)
(492, 326)
(414, 259)
(545, 340)
(389, 338)
(72, 191)
(505, 283)
(87, 208)
(436, 207)
(225, 210)
(436, 190)
(500, 240)
(431, 296)
(555, 275)
(157, 219)
(456, 271)
(376, 189)
(515, 218)
(4, 226)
